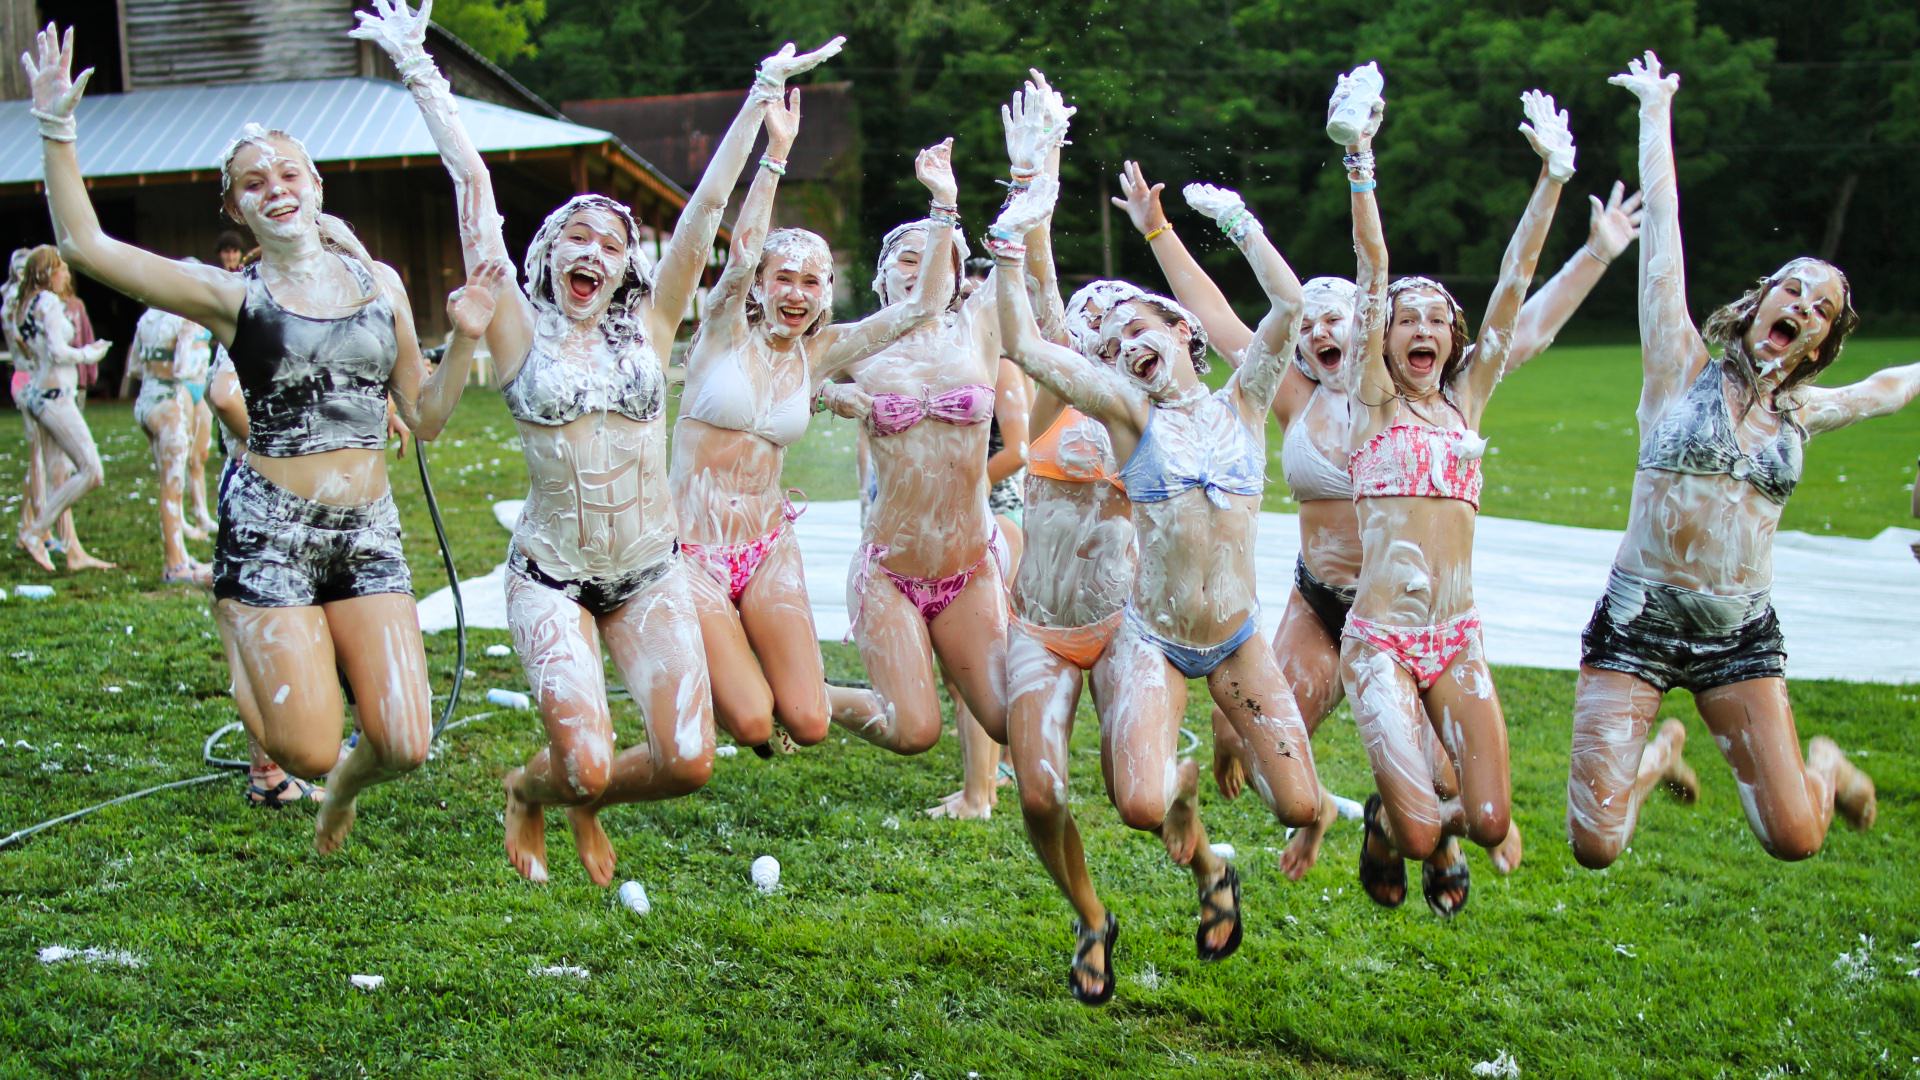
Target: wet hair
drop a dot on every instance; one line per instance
(891, 242)
(787, 244)
(1083, 332)
(229, 241)
(979, 266)
(1170, 310)
(335, 234)
(1325, 290)
(1457, 357)
(1728, 328)
(36, 276)
(621, 324)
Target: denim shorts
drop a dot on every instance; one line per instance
(277, 549)
(1669, 636)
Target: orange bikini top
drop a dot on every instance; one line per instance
(1075, 449)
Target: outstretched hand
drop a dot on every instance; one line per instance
(1548, 132)
(56, 93)
(785, 64)
(1217, 203)
(1644, 79)
(846, 401)
(1139, 200)
(1613, 226)
(398, 31)
(470, 307)
(934, 169)
(1035, 123)
(1027, 209)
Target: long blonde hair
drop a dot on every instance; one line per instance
(35, 277)
(335, 234)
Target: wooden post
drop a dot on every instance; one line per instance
(18, 21)
(578, 161)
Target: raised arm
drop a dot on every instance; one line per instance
(1551, 137)
(1369, 380)
(1266, 356)
(1185, 276)
(1670, 345)
(1610, 229)
(1095, 390)
(1035, 124)
(727, 309)
(678, 274)
(847, 345)
(205, 294)
(1887, 391)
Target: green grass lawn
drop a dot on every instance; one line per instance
(900, 946)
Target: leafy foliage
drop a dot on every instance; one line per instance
(500, 30)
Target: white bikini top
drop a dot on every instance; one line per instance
(720, 393)
(1309, 474)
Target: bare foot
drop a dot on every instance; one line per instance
(1303, 850)
(331, 825)
(189, 573)
(590, 840)
(959, 807)
(1679, 776)
(193, 533)
(80, 560)
(1181, 831)
(36, 549)
(1228, 774)
(1507, 854)
(1853, 792)
(526, 833)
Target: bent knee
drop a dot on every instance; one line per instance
(585, 775)
(1141, 811)
(1489, 829)
(1593, 850)
(1800, 840)
(807, 725)
(683, 775)
(308, 761)
(404, 755)
(1415, 839)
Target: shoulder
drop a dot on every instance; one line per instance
(388, 279)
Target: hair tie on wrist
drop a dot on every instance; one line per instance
(949, 215)
(1164, 227)
(1359, 187)
(1595, 256)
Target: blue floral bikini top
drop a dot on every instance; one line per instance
(1696, 437)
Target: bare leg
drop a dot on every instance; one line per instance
(1250, 689)
(655, 642)
(1464, 709)
(979, 767)
(1387, 714)
(778, 619)
(1613, 766)
(902, 711)
(377, 641)
(1789, 804)
(66, 428)
(559, 649)
(1309, 657)
(742, 700)
(167, 436)
(197, 468)
(1143, 698)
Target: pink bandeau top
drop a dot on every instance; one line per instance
(1417, 460)
(963, 406)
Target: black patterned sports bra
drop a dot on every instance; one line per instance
(313, 385)
(1696, 436)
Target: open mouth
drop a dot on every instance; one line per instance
(1421, 359)
(1328, 357)
(792, 314)
(1783, 334)
(1145, 367)
(583, 284)
(283, 211)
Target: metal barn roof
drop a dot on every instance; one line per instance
(185, 129)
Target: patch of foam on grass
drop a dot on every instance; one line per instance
(1503, 1065)
(91, 956)
(1856, 967)
(556, 971)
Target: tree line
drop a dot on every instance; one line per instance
(1793, 128)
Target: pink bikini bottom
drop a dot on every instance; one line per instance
(733, 565)
(930, 595)
(1425, 651)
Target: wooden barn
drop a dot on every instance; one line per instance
(175, 80)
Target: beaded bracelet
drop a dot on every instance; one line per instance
(1165, 226)
(948, 214)
(774, 165)
(1360, 162)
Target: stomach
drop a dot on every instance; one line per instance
(1416, 566)
(931, 513)
(1196, 579)
(1078, 564)
(725, 484)
(1330, 540)
(598, 504)
(1711, 534)
(348, 477)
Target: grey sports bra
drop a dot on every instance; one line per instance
(1696, 436)
(550, 393)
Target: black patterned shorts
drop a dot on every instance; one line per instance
(277, 549)
(1669, 636)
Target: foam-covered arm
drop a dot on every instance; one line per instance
(1884, 392)
(1670, 345)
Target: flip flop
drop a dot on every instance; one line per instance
(1375, 872)
(276, 797)
(1086, 943)
(1437, 883)
(1214, 914)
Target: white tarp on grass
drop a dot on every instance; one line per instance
(1850, 608)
